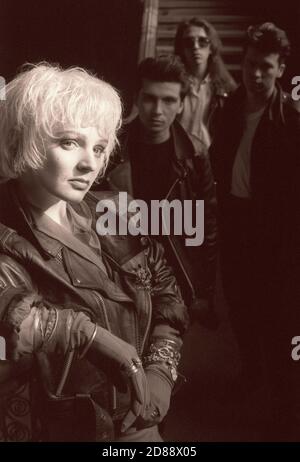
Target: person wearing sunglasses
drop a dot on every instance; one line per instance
(198, 45)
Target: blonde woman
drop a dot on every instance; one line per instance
(92, 323)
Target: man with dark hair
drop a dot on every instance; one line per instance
(157, 161)
(198, 46)
(255, 157)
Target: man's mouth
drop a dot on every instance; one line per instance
(157, 121)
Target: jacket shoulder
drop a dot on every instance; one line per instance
(291, 104)
(291, 112)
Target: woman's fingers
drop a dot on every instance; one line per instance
(131, 416)
(140, 398)
(137, 387)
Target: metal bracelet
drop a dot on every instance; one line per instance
(51, 325)
(133, 367)
(164, 352)
(89, 343)
(36, 329)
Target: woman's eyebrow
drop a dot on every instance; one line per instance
(68, 132)
(79, 135)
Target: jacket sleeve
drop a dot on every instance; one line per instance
(207, 255)
(169, 322)
(169, 317)
(21, 306)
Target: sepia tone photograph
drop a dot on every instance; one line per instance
(149, 222)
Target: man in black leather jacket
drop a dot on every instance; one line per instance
(157, 161)
(255, 158)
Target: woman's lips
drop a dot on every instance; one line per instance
(78, 183)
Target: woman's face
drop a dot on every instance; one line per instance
(73, 161)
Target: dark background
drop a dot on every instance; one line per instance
(100, 35)
(286, 15)
(103, 35)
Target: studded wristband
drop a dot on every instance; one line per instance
(164, 351)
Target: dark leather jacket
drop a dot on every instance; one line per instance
(139, 293)
(221, 93)
(195, 267)
(274, 176)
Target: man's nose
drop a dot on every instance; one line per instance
(196, 45)
(158, 107)
(87, 162)
(257, 72)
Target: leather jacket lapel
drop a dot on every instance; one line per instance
(81, 275)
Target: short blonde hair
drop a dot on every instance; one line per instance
(44, 98)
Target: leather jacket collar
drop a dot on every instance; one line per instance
(121, 166)
(274, 111)
(183, 146)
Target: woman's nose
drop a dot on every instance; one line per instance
(87, 161)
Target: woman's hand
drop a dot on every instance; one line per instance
(160, 389)
(125, 357)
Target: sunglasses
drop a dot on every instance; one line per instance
(189, 42)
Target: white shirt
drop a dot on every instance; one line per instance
(194, 116)
(240, 181)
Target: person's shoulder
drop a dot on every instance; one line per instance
(224, 88)
(291, 112)
(290, 103)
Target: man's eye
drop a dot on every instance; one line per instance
(169, 101)
(69, 144)
(266, 67)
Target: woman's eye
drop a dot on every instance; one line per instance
(99, 150)
(68, 144)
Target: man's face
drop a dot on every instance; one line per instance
(196, 47)
(260, 71)
(158, 104)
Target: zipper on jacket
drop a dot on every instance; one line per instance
(59, 258)
(136, 328)
(148, 323)
(140, 345)
(103, 310)
(188, 279)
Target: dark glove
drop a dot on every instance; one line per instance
(160, 388)
(112, 354)
(124, 356)
(73, 330)
(202, 311)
